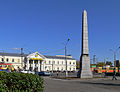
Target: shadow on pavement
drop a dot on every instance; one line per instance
(107, 84)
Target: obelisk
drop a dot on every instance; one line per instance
(85, 71)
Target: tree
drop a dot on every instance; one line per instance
(77, 64)
(109, 63)
(100, 64)
(119, 64)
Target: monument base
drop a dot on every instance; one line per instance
(85, 71)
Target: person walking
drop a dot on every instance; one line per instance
(114, 74)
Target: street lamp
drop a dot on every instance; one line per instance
(94, 59)
(66, 73)
(52, 66)
(115, 51)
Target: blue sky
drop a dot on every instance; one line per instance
(44, 25)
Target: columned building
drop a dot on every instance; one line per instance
(35, 62)
(38, 62)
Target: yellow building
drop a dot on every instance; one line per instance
(38, 62)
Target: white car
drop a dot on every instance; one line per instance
(30, 72)
(24, 71)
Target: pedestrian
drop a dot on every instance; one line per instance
(57, 73)
(18, 70)
(114, 74)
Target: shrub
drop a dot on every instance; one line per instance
(17, 82)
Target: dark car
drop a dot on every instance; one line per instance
(43, 73)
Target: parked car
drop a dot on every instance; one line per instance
(24, 71)
(30, 72)
(43, 73)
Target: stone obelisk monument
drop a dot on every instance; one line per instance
(85, 71)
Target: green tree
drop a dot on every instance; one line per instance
(77, 64)
(100, 64)
(109, 63)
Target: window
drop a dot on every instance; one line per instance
(53, 62)
(2, 59)
(73, 63)
(74, 69)
(57, 68)
(70, 63)
(62, 69)
(62, 62)
(49, 62)
(18, 60)
(12, 60)
(7, 59)
(58, 62)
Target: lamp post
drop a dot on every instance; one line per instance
(94, 59)
(115, 51)
(66, 73)
(52, 66)
(22, 58)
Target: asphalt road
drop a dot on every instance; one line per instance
(81, 85)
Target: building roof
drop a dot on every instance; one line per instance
(58, 57)
(19, 55)
(11, 54)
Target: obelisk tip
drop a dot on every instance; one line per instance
(85, 11)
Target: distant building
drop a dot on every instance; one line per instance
(38, 62)
(12, 58)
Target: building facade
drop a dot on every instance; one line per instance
(38, 62)
(12, 58)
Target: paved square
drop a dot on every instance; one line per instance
(81, 85)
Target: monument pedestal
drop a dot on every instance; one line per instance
(85, 71)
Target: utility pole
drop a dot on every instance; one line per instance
(66, 60)
(22, 58)
(66, 73)
(115, 59)
(52, 67)
(94, 59)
